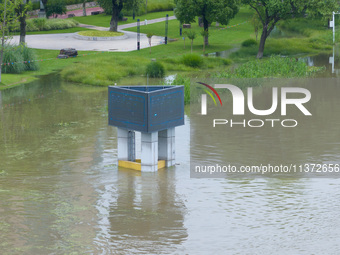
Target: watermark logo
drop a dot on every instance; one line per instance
(204, 98)
(302, 96)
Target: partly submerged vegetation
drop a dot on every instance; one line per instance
(275, 66)
(18, 59)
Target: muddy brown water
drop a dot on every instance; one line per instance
(62, 193)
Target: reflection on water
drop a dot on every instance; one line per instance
(62, 193)
(330, 61)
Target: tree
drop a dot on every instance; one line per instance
(114, 8)
(53, 8)
(191, 35)
(204, 34)
(272, 11)
(210, 10)
(255, 21)
(7, 18)
(84, 6)
(21, 11)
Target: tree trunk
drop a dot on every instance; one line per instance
(3, 38)
(22, 21)
(114, 20)
(84, 8)
(206, 29)
(263, 39)
(192, 41)
(117, 6)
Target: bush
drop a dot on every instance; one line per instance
(192, 60)
(42, 24)
(155, 70)
(227, 61)
(159, 7)
(153, 6)
(29, 55)
(12, 60)
(16, 55)
(249, 42)
(180, 80)
(275, 66)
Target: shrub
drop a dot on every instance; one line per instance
(55, 24)
(275, 66)
(28, 55)
(15, 56)
(40, 23)
(161, 6)
(30, 26)
(192, 60)
(155, 70)
(12, 60)
(249, 42)
(227, 61)
(180, 80)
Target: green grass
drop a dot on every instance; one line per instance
(275, 66)
(220, 39)
(49, 65)
(98, 69)
(100, 33)
(103, 20)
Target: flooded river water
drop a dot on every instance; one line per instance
(61, 191)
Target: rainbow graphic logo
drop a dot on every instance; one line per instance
(204, 97)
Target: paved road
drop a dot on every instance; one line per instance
(59, 41)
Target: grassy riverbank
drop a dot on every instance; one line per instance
(107, 68)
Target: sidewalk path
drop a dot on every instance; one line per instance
(142, 22)
(121, 27)
(59, 41)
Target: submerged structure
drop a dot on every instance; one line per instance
(154, 111)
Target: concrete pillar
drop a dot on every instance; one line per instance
(166, 146)
(126, 145)
(149, 157)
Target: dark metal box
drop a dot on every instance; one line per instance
(146, 108)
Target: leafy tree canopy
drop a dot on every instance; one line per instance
(209, 10)
(272, 11)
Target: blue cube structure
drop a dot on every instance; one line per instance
(146, 108)
(152, 110)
